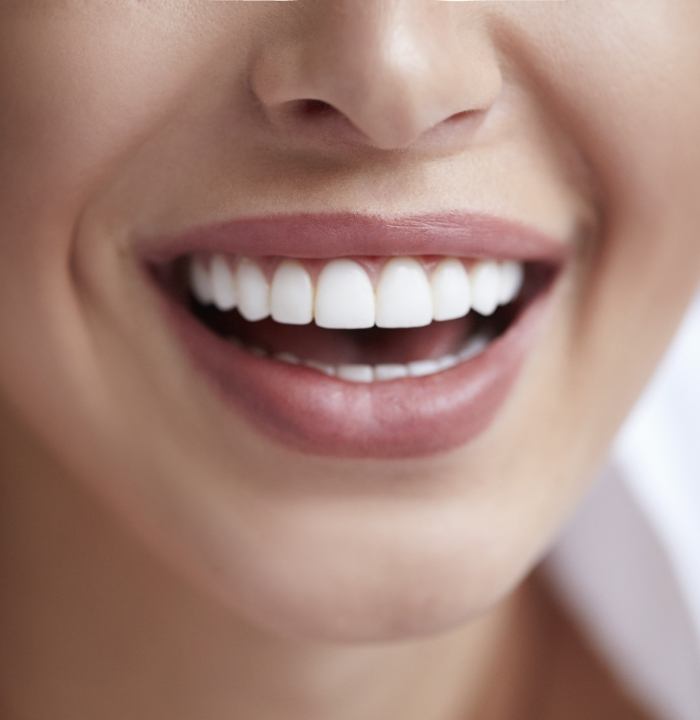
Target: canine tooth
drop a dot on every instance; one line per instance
(420, 368)
(390, 372)
(451, 291)
(512, 276)
(356, 373)
(222, 284)
(486, 286)
(404, 297)
(288, 358)
(291, 294)
(253, 291)
(200, 281)
(321, 367)
(344, 296)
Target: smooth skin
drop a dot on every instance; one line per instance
(159, 557)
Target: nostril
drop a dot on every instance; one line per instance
(315, 108)
(311, 115)
(458, 116)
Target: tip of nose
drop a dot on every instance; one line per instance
(400, 129)
(390, 128)
(398, 102)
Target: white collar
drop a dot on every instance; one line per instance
(628, 564)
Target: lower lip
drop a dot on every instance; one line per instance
(321, 415)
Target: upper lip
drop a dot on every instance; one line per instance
(333, 235)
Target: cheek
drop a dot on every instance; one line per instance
(627, 97)
(627, 94)
(631, 99)
(628, 91)
(86, 82)
(87, 85)
(635, 99)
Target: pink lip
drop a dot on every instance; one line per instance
(344, 234)
(317, 414)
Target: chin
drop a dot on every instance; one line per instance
(332, 577)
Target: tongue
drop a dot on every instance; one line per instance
(372, 346)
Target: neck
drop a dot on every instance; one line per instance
(95, 626)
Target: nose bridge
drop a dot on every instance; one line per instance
(374, 40)
(393, 64)
(394, 68)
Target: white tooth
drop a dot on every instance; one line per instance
(444, 363)
(486, 286)
(512, 276)
(451, 292)
(356, 373)
(404, 298)
(288, 358)
(292, 294)
(474, 347)
(321, 367)
(390, 372)
(200, 281)
(344, 296)
(222, 284)
(253, 291)
(419, 368)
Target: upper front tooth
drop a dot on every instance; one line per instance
(512, 276)
(253, 291)
(292, 294)
(200, 281)
(344, 296)
(404, 297)
(345, 299)
(222, 284)
(451, 292)
(486, 286)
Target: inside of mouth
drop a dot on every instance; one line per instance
(371, 346)
(374, 346)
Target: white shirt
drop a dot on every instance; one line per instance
(628, 565)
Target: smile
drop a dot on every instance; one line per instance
(407, 350)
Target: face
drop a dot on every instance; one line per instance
(141, 140)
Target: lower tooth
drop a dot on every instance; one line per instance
(445, 363)
(321, 367)
(288, 358)
(385, 372)
(473, 348)
(390, 372)
(356, 373)
(420, 368)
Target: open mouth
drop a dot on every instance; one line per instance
(358, 355)
(359, 320)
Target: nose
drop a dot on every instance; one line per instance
(388, 74)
